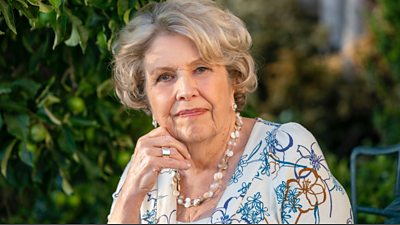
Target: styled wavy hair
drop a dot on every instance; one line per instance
(220, 37)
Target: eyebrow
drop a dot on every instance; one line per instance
(174, 68)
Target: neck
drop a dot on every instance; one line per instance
(208, 153)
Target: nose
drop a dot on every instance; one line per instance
(186, 86)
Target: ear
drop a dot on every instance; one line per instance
(235, 81)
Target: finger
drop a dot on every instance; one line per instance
(150, 147)
(174, 153)
(158, 152)
(161, 138)
(173, 142)
(159, 131)
(170, 142)
(164, 163)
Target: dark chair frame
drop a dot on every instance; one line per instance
(386, 212)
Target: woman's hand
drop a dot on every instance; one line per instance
(147, 161)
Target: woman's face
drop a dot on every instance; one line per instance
(189, 97)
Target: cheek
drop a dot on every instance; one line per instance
(160, 103)
(220, 95)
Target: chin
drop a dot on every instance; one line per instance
(195, 133)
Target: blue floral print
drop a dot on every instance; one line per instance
(253, 210)
(281, 177)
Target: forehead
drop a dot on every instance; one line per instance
(169, 50)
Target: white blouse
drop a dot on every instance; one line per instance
(282, 177)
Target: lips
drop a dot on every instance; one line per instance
(191, 112)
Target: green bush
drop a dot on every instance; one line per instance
(382, 69)
(64, 137)
(299, 80)
(379, 57)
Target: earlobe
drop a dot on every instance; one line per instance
(154, 123)
(234, 107)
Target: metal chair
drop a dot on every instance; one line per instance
(392, 211)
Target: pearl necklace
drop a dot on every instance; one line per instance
(188, 202)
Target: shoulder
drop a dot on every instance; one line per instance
(295, 129)
(291, 132)
(289, 126)
(297, 133)
(292, 128)
(305, 189)
(290, 144)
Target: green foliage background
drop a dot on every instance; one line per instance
(65, 139)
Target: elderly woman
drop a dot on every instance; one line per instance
(188, 64)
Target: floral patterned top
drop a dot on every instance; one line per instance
(282, 177)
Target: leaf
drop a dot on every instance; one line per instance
(44, 8)
(1, 121)
(74, 39)
(1, 32)
(8, 15)
(113, 25)
(58, 34)
(82, 31)
(102, 4)
(82, 122)
(105, 88)
(66, 186)
(23, 3)
(44, 94)
(59, 25)
(27, 85)
(101, 40)
(124, 141)
(49, 114)
(34, 2)
(6, 157)
(66, 140)
(122, 6)
(137, 5)
(29, 12)
(17, 125)
(5, 88)
(49, 100)
(26, 41)
(91, 169)
(13, 106)
(55, 3)
(25, 155)
(84, 36)
(127, 16)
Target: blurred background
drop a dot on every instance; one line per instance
(331, 65)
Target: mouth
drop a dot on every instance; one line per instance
(191, 112)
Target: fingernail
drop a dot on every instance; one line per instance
(188, 165)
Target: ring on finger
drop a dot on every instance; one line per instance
(165, 152)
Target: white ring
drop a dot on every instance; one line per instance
(165, 152)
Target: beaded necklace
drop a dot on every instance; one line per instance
(222, 166)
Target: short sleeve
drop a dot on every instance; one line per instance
(306, 191)
(119, 187)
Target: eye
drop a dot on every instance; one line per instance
(164, 77)
(201, 69)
